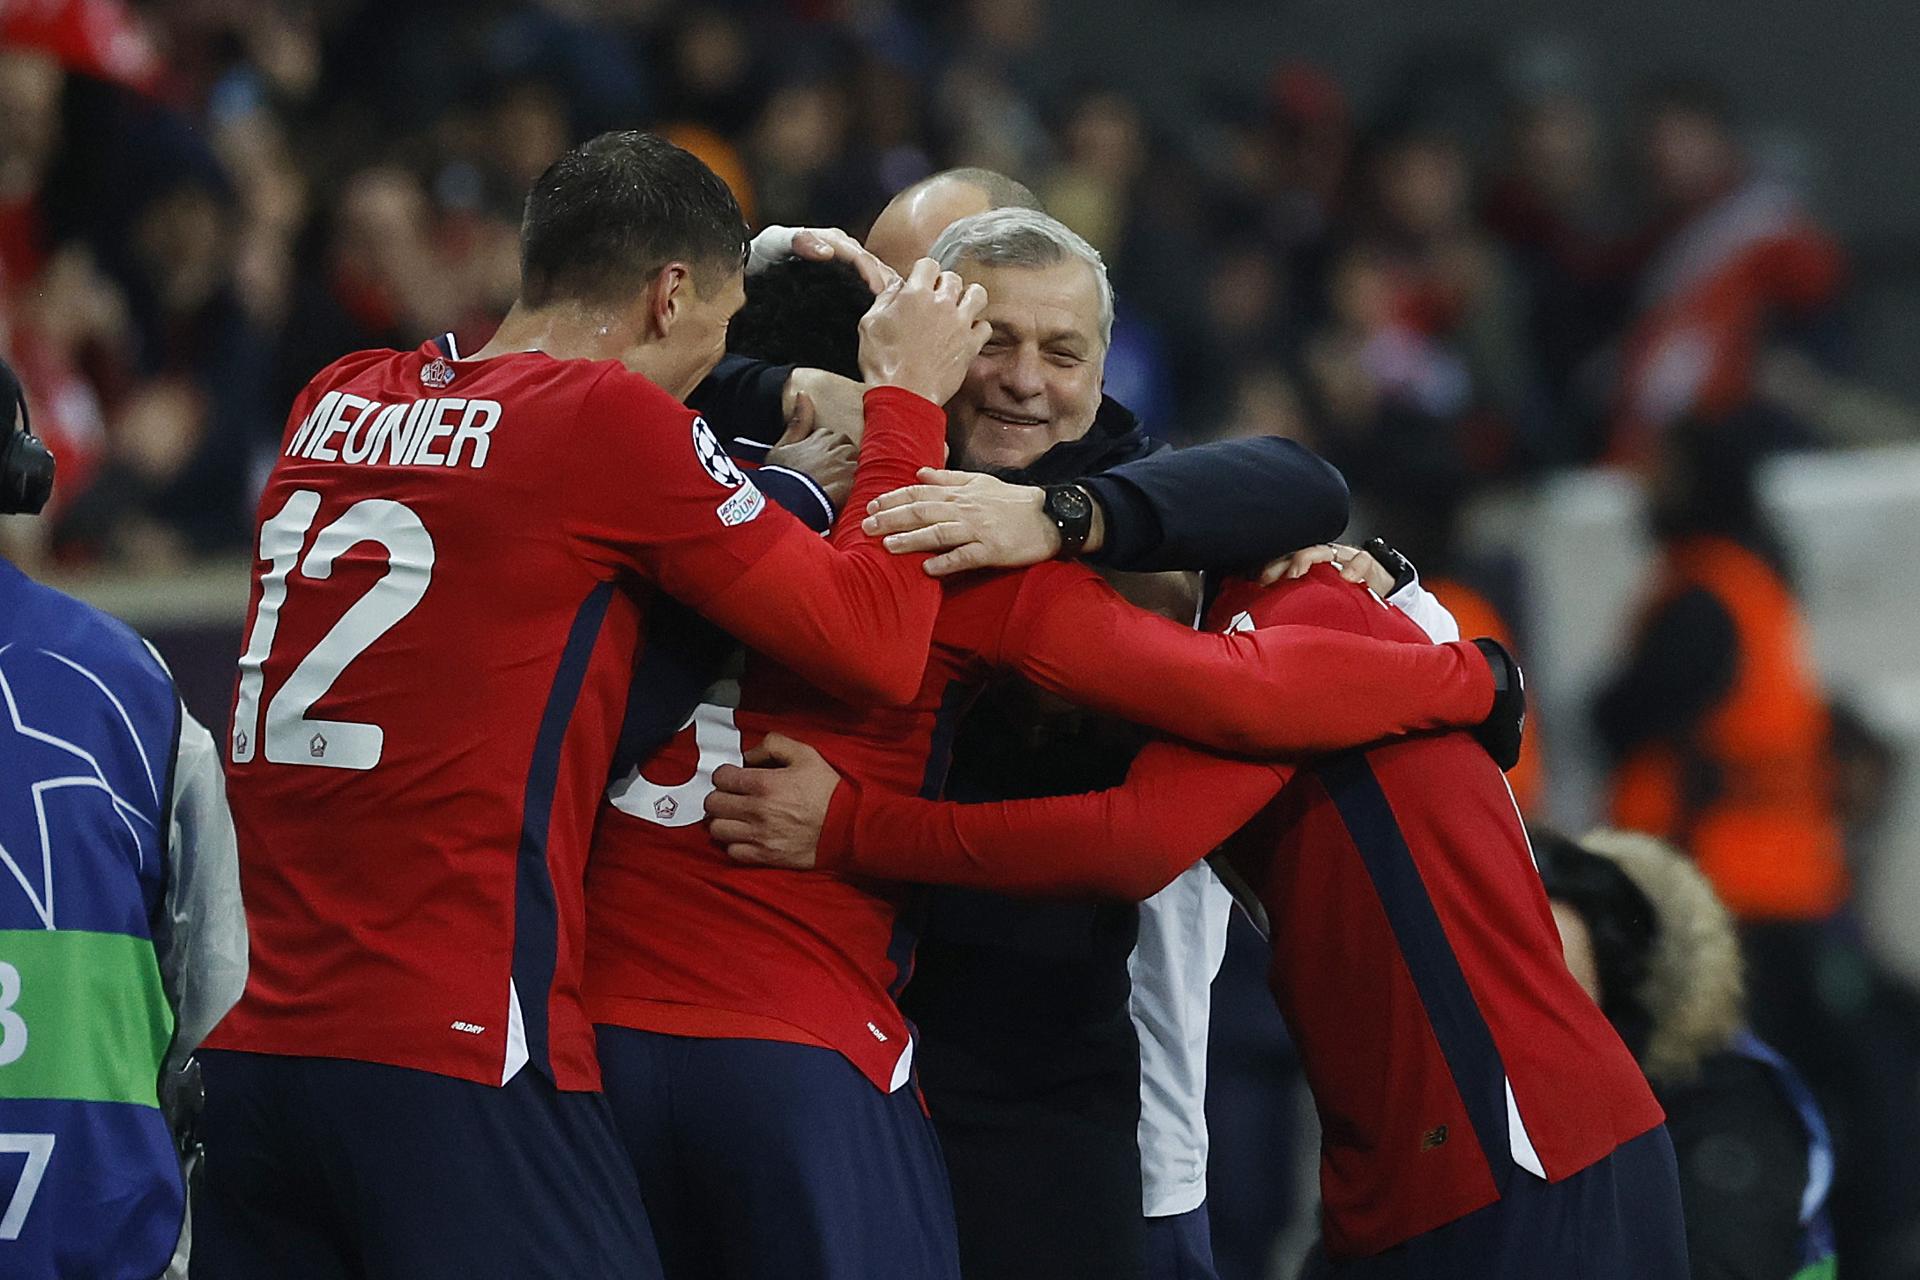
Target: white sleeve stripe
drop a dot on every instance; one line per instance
(820, 495)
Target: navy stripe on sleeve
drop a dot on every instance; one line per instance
(536, 926)
(1458, 1025)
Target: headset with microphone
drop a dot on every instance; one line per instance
(26, 465)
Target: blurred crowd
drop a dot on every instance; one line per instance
(1446, 292)
(202, 202)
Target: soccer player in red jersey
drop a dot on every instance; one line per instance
(749, 1040)
(1480, 1117)
(456, 560)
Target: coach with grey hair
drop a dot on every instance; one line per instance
(1036, 1069)
(1028, 1010)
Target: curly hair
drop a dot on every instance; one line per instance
(1694, 990)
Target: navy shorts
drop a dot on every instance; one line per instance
(1618, 1219)
(1180, 1247)
(761, 1160)
(324, 1169)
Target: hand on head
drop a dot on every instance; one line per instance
(818, 244)
(923, 332)
(1355, 566)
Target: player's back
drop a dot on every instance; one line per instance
(1418, 965)
(432, 680)
(683, 941)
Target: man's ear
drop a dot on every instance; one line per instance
(666, 298)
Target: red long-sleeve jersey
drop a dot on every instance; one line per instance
(1415, 957)
(683, 941)
(456, 560)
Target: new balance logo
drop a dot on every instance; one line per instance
(471, 1028)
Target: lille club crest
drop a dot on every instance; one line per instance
(437, 374)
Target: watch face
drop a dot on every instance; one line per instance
(1069, 504)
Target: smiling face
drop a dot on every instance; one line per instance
(1037, 380)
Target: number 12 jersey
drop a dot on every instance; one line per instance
(454, 564)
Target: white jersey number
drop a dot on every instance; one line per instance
(38, 1148)
(684, 804)
(13, 1027)
(291, 738)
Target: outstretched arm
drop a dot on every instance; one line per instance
(1279, 691)
(1176, 805)
(1228, 505)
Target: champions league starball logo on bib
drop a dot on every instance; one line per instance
(747, 502)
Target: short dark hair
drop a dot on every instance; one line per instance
(609, 214)
(803, 313)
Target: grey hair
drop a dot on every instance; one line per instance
(1023, 238)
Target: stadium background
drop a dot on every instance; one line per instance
(1411, 235)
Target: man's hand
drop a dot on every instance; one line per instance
(814, 399)
(770, 813)
(1354, 564)
(826, 457)
(975, 521)
(923, 332)
(826, 244)
(818, 244)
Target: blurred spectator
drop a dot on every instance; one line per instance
(1650, 943)
(129, 511)
(30, 85)
(1387, 400)
(1553, 209)
(1716, 722)
(1731, 254)
(1452, 282)
(184, 243)
(1721, 741)
(1105, 152)
(378, 283)
(710, 72)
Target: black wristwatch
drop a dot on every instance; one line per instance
(1392, 561)
(1071, 511)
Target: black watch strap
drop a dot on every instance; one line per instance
(1071, 509)
(1392, 561)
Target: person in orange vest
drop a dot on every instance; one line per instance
(1716, 724)
(1720, 740)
